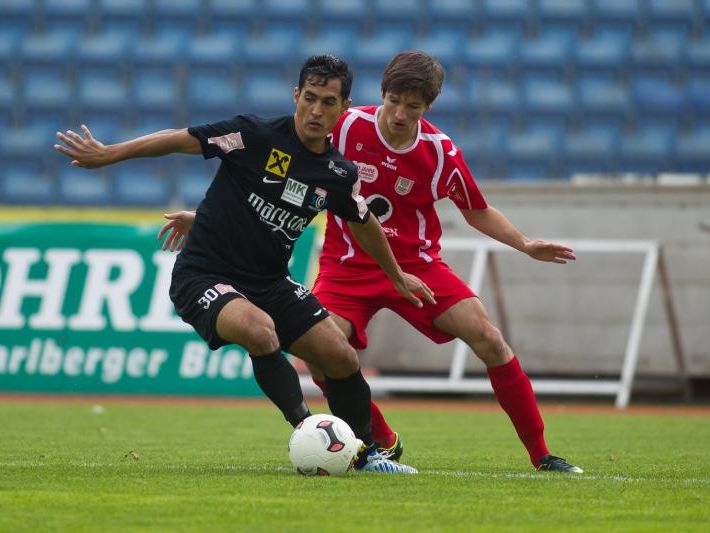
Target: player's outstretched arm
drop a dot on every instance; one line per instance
(88, 152)
(372, 240)
(178, 228)
(490, 221)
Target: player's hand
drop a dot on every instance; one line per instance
(85, 151)
(550, 252)
(178, 228)
(410, 285)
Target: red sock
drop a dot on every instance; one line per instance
(515, 395)
(382, 433)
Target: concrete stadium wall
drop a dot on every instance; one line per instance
(574, 319)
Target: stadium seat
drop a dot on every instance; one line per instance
(591, 148)
(606, 50)
(274, 48)
(698, 54)
(548, 96)
(289, 11)
(647, 149)
(9, 42)
(46, 93)
(71, 15)
(47, 53)
(532, 144)
(214, 53)
(550, 50)
(663, 10)
(492, 50)
(692, 150)
(598, 95)
(157, 53)
(445, 13)
(268, 94)
(194, 175)
(658, 52)
(698, 97)
(657, 96)
(519, 10)
(25, 143)
(570, 11)
(8, 98)
(374, 51)
(386, 11)
(367, 90)
(142, 187)
(618, 10)
(176, 15)
(26, 186)
(102, 93)
(122, 15)
(79, 186)
(213, 93)
(155, 93)
(494, 96)
(450, 101)
(327, 41)
(444, 44)
(342, 9)
(104, 52)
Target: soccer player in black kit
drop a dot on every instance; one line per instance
(231, 280)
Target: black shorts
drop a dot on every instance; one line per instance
(199, 298)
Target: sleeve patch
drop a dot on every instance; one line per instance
(228, 143)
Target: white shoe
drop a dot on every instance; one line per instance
(377, 462)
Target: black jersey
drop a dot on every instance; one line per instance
(266, 191)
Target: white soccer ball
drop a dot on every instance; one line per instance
(323, 445)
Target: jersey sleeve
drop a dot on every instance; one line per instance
(226, 139)
(346, 202)
(458, 183)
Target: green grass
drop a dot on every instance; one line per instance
(70, 467)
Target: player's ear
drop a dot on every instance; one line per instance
(346, 104)
(296, 94)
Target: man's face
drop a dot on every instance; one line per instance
(318, 108)
(401, 112)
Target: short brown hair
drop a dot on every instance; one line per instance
(414, 71)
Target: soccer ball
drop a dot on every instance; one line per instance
(323, 445)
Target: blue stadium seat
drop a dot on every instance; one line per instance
(692, 150)
(155, 93)
(122, 15)
(451, 100)
(623, 10)
(397, 10)
(647, 148)
(26, 186)
(376, 50)
(157, 53)
(25, 143)
(71, 15)
(289, 11)
(494, 96)
(230, 15)
(698, 95)
(698, 54)
(8, 98)
(214, 52)
(658, 51)
(192, 186)
(548, 96)
(493, 50)
(177, 15)
(603, 96)
(445, 44)
(549, 50)
(102, 93)
(367, 90)
(591, 148)
(338, 43)
(519, 10)
(49, 52)
(47, 92)
(105, 52)
(482, 141)
(273, 48)
(79, 186)
(9, 42)
(663, 10)
(443, 13)
(353, 10)
(658, 96)
(570, 11)
(535, 143)
(214, 93)
(142, 187)
(606, 50)
(268, 95)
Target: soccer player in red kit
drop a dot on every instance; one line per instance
(405, 164)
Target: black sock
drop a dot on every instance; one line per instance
(349, 398)
(279, 381)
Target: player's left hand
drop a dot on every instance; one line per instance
(410, 286)
(178, 226)
(550, 252)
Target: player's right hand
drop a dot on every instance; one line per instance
(178, 226)
(410, 286)
(85, 151)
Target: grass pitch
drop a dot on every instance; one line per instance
(83, 467)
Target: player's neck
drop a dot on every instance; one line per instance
(397, 141)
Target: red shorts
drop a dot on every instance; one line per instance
(357, 294)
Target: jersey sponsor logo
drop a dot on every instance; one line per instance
(358, 147)
(278, 162)
(338, 170)
(228, 143)
(318, 201)
(267, 179)
(403, 185)
(278, 218)
(380, 206)
(301, 292)
(294, 192)
(389, 163)
(367, 173)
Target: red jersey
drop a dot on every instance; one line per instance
(400, 188)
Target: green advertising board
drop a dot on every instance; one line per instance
(84, 308)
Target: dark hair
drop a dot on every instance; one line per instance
(322, 68)
(414, 71)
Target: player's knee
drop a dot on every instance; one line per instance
(261, 339)
(490, 346)
(341, 361)
(252, 328)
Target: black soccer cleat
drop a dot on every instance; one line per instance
(394, 452)
(550, 463)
